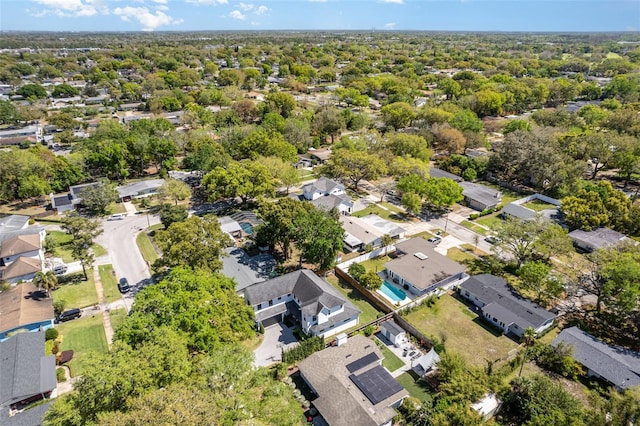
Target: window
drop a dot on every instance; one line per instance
(315, 318)
(270, 302)
(259, 306)
(279, 297)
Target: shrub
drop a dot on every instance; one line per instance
(303, 350)
(60, 376)
(58, 306)
(369, 330)
(51, 334)
(356, 270)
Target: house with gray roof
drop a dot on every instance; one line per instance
(352, 386)
(439, 173)
(143, 188)
(596, 238)
(519, 209)
(368, 230)
(69, 201)
(422, 270)
(322, 187)
(503, 307)
(480, 197)
(26, 373)
(342, 203)
(314, 304)
(616, 365)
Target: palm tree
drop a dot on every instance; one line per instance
(48, 281)
(528, 339)
(386, 241)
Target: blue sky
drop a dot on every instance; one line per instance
(428, 15)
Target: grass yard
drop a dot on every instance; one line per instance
(375, 264)
(78, 295)
(538, 205)
(392, 207)
(474, 227)
(490, 221)
(425, 234)
(463, 331)
(416, 388)
(459, 255)
(109, 283)
(84, 336)
(114, 208)
(391, 362)
(63, 246)
(507, 194)
(383, 213)
(368, 312)
(146, 247)
(117, 317)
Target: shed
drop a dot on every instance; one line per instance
(426, 363)
(393, 332)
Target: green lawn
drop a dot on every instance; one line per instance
(474, 227)
(383, 213)
(507, 194)
(84, 336)
(368, 312)
(538, 205)
(425, 234)
(109, 283)
(459, 255)
(375, 264)
(117, 317)
(392, 207)
(463, 331)
(78, 295)
(391, 362)
(116, 208)
(146, 248)
(63, 249)
(490, 221)
(416, 388)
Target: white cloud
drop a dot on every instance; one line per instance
(246, 7)
(261, 10)
(393, 1)
(162, 7)
(236, 14)
(68, 7)
(149, 20)
(207, 2)
(317, 1)
(390, 26)
(161, 1)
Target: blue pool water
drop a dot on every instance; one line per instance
(392, 292)
(246, 227)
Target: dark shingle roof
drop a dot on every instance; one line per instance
(25, 371)
(618, 366)
(483, 194)
(503, 303)
(331, 201)
(438, 173)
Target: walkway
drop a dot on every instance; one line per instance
(106, 317)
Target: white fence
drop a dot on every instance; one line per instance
(540, 197)
(375, 253)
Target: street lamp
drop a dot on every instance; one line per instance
(446, 220)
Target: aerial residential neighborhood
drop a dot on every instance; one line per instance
(353, 227)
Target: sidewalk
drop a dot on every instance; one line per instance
(106, 317)
(131, 209)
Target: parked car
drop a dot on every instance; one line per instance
(492, 240)
(435, 240)
(68, 315)
(123, 285)
(117, 216)
(59, 270)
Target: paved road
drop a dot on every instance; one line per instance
(119, 239)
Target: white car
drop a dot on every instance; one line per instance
(118, 216)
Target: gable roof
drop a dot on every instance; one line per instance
(24, 369)
(76, 190)
(483, 194)
(24, 304)
(20, 244)
(423, 271)
(618, 366)
(597, 238)
(439, 173)
(504, 303)
(22, 266)
(323, 185)
(31, 230)
(340, 399)
(332, 201)
(133, 189)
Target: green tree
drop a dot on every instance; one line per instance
(175, 190)
(83, 231)
(46, 280)
(278, 227)
(353, 166)
(412, 202)
(170, 214)
(245, 179)
(533, 275)
(442, 193)
(356, 270)
(64, 91)
(514, 125)
(280, 102)
(319, 238)
(528, 340)
(328, 122)
(34, 91)
(97, 198)
(370, 280)
(398, 115)
(195, 242)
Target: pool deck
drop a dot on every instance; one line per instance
(409, 297)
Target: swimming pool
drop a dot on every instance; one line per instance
(246, 227)
(392, 292)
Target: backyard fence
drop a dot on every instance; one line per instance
(372, 254)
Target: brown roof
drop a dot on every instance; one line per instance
(427, 268)
(24, 304)
(20, 244)
(22, 266)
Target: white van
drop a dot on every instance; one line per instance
(118, 216)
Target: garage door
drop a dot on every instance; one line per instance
(271, 321)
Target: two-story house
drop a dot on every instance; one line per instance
(315, 304)
(321, 188)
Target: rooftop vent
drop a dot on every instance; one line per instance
(421, 255)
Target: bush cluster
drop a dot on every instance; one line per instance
(303, 350)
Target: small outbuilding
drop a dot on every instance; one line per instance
(393, 332)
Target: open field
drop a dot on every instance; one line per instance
(84, 336)
(368, 311)
(463, 331)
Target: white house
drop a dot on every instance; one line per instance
(343, 204)
(21, 254)
(321, 188)
(393, 332)
(314, 304)
(596, 238)
(368, 230)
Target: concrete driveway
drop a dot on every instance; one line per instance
(276, 338)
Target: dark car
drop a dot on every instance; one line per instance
(69, 315)
(123, 285)
(493, 240)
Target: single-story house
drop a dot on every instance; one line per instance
(303, 162)
(321, 155)
(321, 188)
(315, 304)
(230, 226)
(343, 204)
(143, 188)
(26, 373)
(503, 307)
(368, 230)
(596, 239)
(420, 269)
(353, 388)
(65, 202)
(393, 332)
(439, 173)
(33, 132)
(616, 365)
(426, 363)
(518, 208)
(26, 307)
(480, 197)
